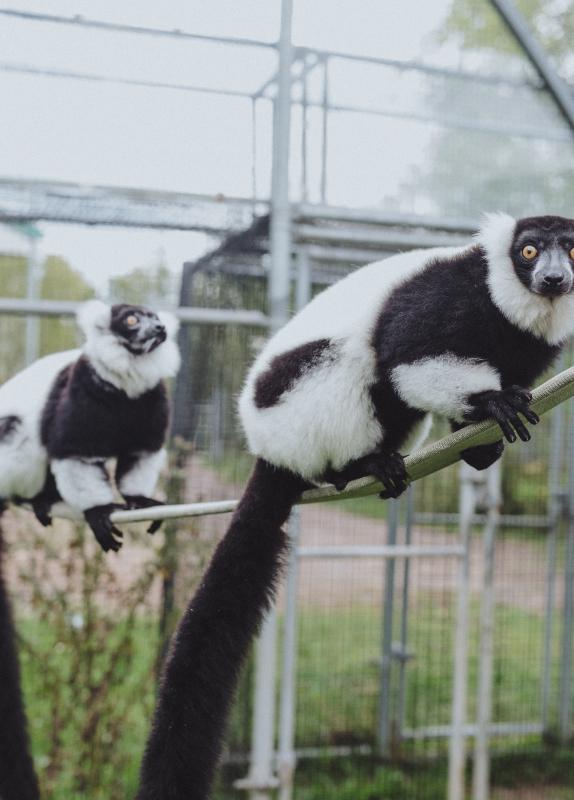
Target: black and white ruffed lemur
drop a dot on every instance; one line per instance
(333, 396)
(66, 415)
(61, 420)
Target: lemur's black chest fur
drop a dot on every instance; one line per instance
(447, 309)
(86, 416)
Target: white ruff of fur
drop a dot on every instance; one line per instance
(545, 318)
(133, 374)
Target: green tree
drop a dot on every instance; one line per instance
(467, 172)
(150, 285)
(60, 281)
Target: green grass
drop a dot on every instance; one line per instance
(338, 690)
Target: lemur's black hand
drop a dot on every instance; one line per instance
(98, 518)
(504, 406)
(141, 501)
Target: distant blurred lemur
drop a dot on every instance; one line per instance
(461, 332)
(66, 415)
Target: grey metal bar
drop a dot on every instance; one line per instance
(286, 758)
(324, 130)
(384, 734)
(187, 316)
(505, 521)
(554, 511)
(261, 779)
(457, 747)
(94, 77)
(565, 687)
(481, 770)
(306, 212)
(381, 551)
(518, 26)
(85, 22)
(404, 632)
(429, 69)
(392, 239)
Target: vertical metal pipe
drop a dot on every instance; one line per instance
(481, 771)
(325, 131)
(286, 758)
(384, 732)
(262, 748)
(304, 121)
(303, 286)
(457, 745)
(33, 276)
(401, 699)
(280, 274)
(565, 689)
(554, 514)
(261, 779)
(254, 150)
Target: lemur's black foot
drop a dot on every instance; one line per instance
(98, 518)
(141, 501)
(388, 468)
(42, 508)
(483, 455)
(504, 406)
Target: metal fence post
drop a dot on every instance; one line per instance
(286, 758)
(565, 690)
(261, 780)
(555, 507)
(457, 745)
(384, 733)
(481, 772)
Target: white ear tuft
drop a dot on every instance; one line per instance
(496, 234)
(171, 323)
(93, 316)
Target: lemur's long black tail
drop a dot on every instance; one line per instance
(17, 777)
(213, 640)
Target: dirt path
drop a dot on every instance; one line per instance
(520, 566)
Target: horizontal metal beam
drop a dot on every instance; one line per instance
(24, 200)
(306, 212)
(94, 77)
(79, 21)
(381, 551)
(505, 520)
(186, 315)
(371, 237)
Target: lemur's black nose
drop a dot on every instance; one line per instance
(553, 279)
(158, 328)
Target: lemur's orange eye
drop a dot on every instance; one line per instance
(571, 254)
(131, 321)
(529, 252)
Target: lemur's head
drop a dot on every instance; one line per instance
(130, 346)
(138, 329)
(531, 272)
(542, 253)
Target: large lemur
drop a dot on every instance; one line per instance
(67, 414)
(333, 396)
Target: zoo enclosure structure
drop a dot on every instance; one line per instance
(282, 241)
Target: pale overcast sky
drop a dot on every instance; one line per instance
(171, 140)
